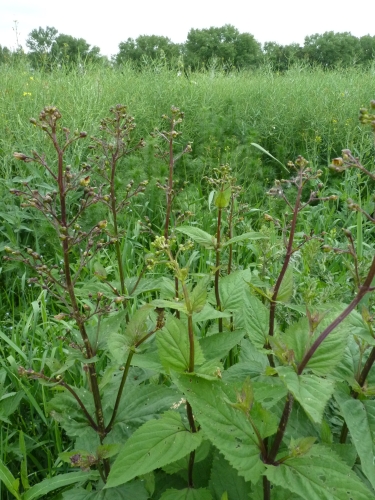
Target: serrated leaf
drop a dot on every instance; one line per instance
(331, 350)
(200, 454)
(153, 445)
(141, 403)
(56, 482)
(217, 346)
(178, 306)
(136, 328)
(186, 494)
(297, 338)
(9, 480)
(357, 419)
(174, 348)
(310, 391)
(222, 197)
(199, 236)
(286, 288)
(245, 237)
(225, 480)
(227, 428)
(231, 290)
(209, 312)
(198, 296)
(256, 319)
(319, 475)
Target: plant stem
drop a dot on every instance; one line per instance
(217, 266)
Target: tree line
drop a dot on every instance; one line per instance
(224, 46)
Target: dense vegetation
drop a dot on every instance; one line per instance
(223, 47)
(187, 305)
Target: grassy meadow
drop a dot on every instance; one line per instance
(313, 113)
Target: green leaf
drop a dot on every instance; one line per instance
(200, 454)
(136, 328)
(357, 419)
(10, 482)
(174, 348)
(222, 197)
(286, 288)
(141, 403)
(153, 445)
(209, 312)
(24, 475)
(198, 296)
(227, 428)
(199, 236)
(268, 154)
(310, 391)
(225, 479)
(178, 306)
(319, 475)
(59, 481)
(297, 338)
(256, 319)
(217, 346)
(331, 350)
(245, 237)
(232, 288)
(186, 494)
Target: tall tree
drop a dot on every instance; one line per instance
(68, 49)
(281, 57)
(332, 49)
(40, 42)
(226, 44)
(147, 47)
(367, 44)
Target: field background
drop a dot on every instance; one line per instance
(304, 111)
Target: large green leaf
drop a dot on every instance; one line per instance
(187, 494)
(217, 346)
(10, 482)
(174, 348)
(331, 350)
(358, 422)
(198, 296)
(256, 319)
(227, 428)
(286, 289)
(140, 403)
(136, 328)
(310, 391)
(320, 474)
(231, 289)
(153, 445)
(199, 236)
(226, 479)
(297, 338)
(56, 482)
(245, 237)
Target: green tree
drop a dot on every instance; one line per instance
(147, 47)
(5, 54)
(281, 57)
(226, 44)
(367, 44)
(332, 49)
(40, 42)
(67, 49)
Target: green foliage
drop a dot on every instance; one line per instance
(153, 445)
(191, 351)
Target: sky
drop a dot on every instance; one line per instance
(108, 23)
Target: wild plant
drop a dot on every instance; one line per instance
(196, 421)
